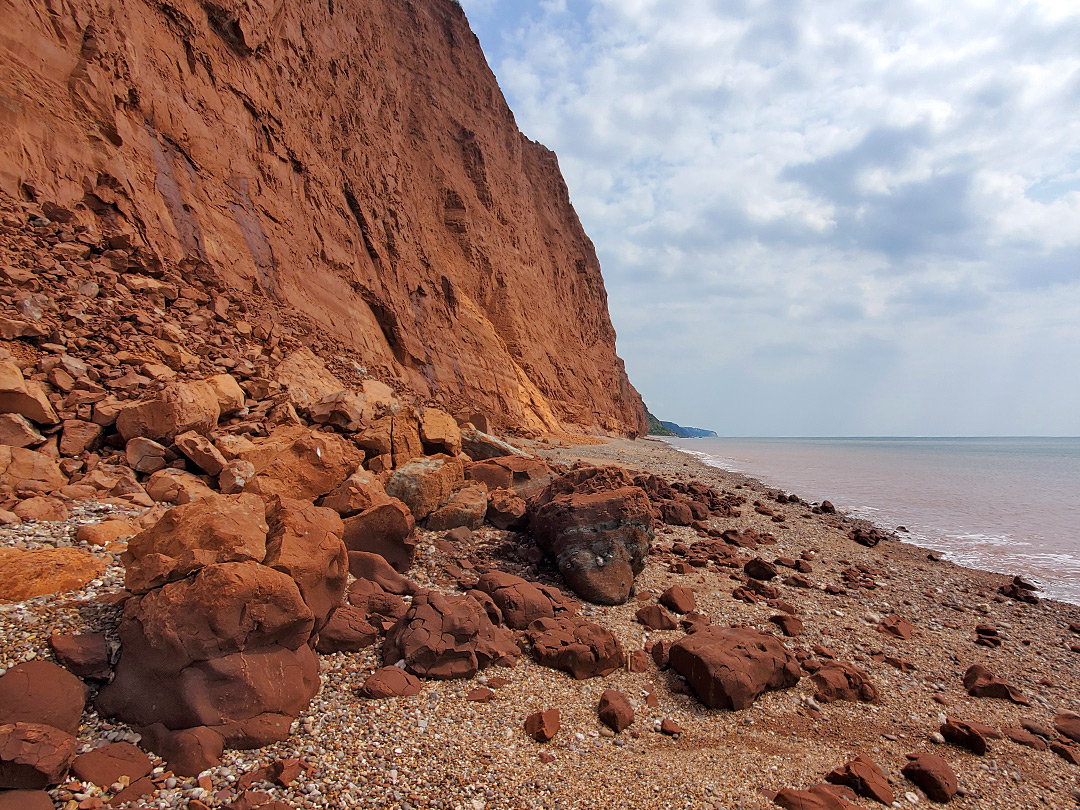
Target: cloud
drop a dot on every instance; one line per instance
(820, 204)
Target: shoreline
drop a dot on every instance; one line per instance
(440, 749)
(959, 545)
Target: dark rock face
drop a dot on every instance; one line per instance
(41, 692)
(521, 602)
(729, 667)
(598, 527)
(34, 756)
(760, 569)
(576, 646)
(448, 637)
(85, 654)
(933, 775)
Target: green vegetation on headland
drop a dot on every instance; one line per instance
(658, 428)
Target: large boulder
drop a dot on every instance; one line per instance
(218, 528)
(527, 477)
(479, 446)
(226, 648)
(577, 646)
(981, 682)
(385, 529)
(178, 408)
(467, 507)
(306, 378)
(439, 432)
(446, 637)
(838, 680)
(507, 510)
(933, 775)
(598, 527)
(34, 756)
(424, 484)
(104, 766)
(39, 572)
(41, 692)
(24, 397)
(348, 630)
(359, 492)
(21, 468)
(864, 776)
(297, 463)
(522, 602)
(304, 542)
(728, 667)
(230, 396)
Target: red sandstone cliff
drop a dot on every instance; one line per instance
(351, 161)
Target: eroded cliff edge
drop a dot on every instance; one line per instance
(354, 163)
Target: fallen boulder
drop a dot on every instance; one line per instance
(837, 680)
(522, 602)
(390, 682)
(864, 776)
(933, 775)
(526, 477)
(40, 572)
(575, 645)
(178, 408)
(426, 483)
(615, 710)
(385, 529)
(34, 756)
(980, 682)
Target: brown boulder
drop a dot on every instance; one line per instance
(230, 396)
(576, 646)
(678, 599)
(359, 492)
(42, 507)
(234, 476)
(507, 511)
(1067, 724)
(760, 569)
(304, 542)
(598, 527)
(83, 654)
(655, 618)
(346, 631)
(105, 532)
(177, 487)
(374, 567)
(933, 775)
(864, 777)
(298, 463)
(24, 397)
(615, 710)
(980, 682)
(145, 455)
(837, 680)
(28, 469)
(816, 798)
(43, 693)
(542, 726)
(305, 378)
(187, 752)
(104, 766)
(374, 603)
(521, 602)
(390, 682)
(219, 528)
(78, 437)
(201, 452)
(439, 432)
(467, 507)
(18, 431)
(447, 637)
(789, 625)
(178, 408)
(386, 530)
(729, 667)
(34, 756)
(962, 734)
(526, 477)
(897, 627)
(1069, 753)
(426, 483)
(26, 574)
(25, 800)
(676, 513)
(1025, 738)
(480, 446)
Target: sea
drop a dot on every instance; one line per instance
(1007, 505)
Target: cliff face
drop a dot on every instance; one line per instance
(351, 161)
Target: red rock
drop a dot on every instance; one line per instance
(215, 529)
(467, 507)
(1025, 738)
(201, 452)
(526, 477)
(447, 637)
(1014, 591)
(615, 710)
(104, 766)
(370, 598)
(866, 537)
(359, 492)
(817, 798)
(24, 397)
(78, 437)
(145, 455)
(729, 667)
(39, 572)
(933, 775)
(837, 680)
(305, 378)
(1069, 753)
(480, 695)
(542, 726)
(18, 431)
(84, 654)
(1067, 724)
(598, 527)
(304, 542)
(177, 487)
(521, 602)
(670, 727)
(178, 408)
(25, 800)
(136, 790)
(789, 625)
(230, 396)
(390, 682)
(188, 752)
(234, 476)
(980, 682)
(896, 626)
(42, 693)
(965, 735)
(21, 468)
(347, 631)
(424, 484)
(439, 432)
(297, 463)
(655, 618)
(105, 532)
(375, 568)
(576, 646)
(676, 513)
(760, 569)
(43, 508)
(506, 510)
(798, 581)
(678, 599)
(386, 530)
(661, 653)
(864, 777)
(34, 756)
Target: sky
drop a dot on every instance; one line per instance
(849, 218)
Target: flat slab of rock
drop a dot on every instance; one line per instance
(104, 766)
(729, 667)
(390, 682)
(25, 574)
(980, 682)
(34, 756)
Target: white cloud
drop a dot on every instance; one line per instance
(821, 204)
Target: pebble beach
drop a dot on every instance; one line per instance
(441, 749)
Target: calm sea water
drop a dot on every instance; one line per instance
(1010, 505)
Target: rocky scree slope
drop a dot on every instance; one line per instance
(352, 162)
